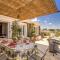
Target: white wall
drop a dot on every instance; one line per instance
(9, 21)
(37, 30)
(25, 29)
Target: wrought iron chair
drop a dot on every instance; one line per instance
(53, 46)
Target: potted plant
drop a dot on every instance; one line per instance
(19, 33)
(33, 35)
(15, 31)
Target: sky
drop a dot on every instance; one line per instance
(58, 4)
(51, 21)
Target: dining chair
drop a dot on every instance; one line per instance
(39, 51)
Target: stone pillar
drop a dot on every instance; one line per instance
(25, 30)
(39, 30)
(9, 29)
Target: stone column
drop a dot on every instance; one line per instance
(24, 30)
(39, 30)
(9, 29)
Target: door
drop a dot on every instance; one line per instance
(0, 29)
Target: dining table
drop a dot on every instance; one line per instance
(19, 48)
(23, 48)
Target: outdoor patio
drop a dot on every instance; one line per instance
(43, 45)
(29, 30)
(49, 55)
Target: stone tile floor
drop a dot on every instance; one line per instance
(49, 56)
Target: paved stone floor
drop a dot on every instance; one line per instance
(49, 56)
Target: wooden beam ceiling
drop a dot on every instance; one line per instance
(15, 4)
(26, 8)
(37, 8)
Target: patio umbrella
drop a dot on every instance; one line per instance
(26, 9)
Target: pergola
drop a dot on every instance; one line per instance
(26, 9)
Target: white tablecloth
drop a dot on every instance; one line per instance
(24, 47)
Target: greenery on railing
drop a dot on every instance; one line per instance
(55, 31)
(57, 34)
